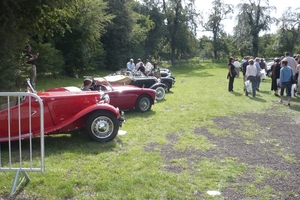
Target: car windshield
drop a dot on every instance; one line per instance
(103, 83)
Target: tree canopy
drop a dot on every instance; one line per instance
(75, 35)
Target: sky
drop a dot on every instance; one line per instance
(280, 5)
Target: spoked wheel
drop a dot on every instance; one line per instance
(160, 93)
(102, 126)
(143, 103)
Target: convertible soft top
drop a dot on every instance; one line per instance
(117, 79)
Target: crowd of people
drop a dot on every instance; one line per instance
(285, 74)
(147, 68)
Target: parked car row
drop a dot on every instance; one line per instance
(133, 90)
(99, 112)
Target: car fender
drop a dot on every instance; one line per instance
(156, 85)
(79, 119)
(168, 80)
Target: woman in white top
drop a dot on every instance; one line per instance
(250, 75)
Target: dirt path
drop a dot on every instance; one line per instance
(268, 141)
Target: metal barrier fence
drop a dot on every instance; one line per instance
(18, 155)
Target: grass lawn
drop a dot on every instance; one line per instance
(199, 138)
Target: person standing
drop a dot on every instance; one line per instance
(275, 75)
(155, 71)
(237, 65)
(31, 59)
(262, 64)
(244, 67)
(130, 65)
(263, 67)
(297, 73)
(142, 68)
(258, 73)
(231, 74)
(286, 73)
(139, 62)
(251, 73)
(291, 62)
(148, 66)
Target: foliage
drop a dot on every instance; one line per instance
(50, 59)
(123, 33)
(267, 46)
(254, 18)
(218, 13)
(289, 32)
(177, 18)
(78, 35)
(81, 45)
(155, 44)
(24, 20)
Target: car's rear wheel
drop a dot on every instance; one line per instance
(143, 103)
(160, 93)
(102, 126)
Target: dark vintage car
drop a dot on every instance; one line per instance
(136, 79)
(166, 77)
(125, 97)
(65, 109)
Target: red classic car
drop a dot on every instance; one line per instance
(65, 109)
(125, 97)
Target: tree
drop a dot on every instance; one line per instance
(24, 20)
(81, 46)
(119, 41)
(218, 13)
(254, 18)
(178, 22)
(289, 32)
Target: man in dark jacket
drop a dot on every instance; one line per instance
(31, 59)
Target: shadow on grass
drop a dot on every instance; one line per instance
(132, 114)
(77, 143)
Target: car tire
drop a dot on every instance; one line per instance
(102, 126)
(143, 103)
(160, 93)
(167, 86)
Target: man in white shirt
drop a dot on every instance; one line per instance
(237, 65)
(148, 66)
(130, 65)
(291, 62)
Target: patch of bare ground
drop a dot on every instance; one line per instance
(269, 141)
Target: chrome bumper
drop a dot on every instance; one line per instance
(121, 119)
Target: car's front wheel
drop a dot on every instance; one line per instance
(143, 103)
(160, 93)
(167, 87)
(102, 126)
